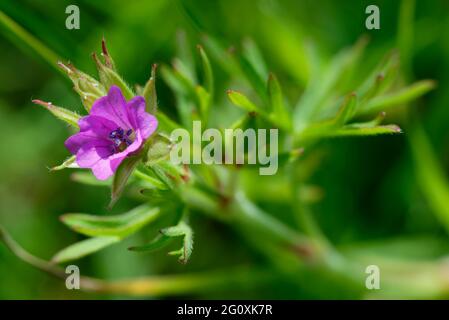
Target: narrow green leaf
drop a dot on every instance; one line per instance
(165, 123)
(185, 56)
(398, 98)
(154, 245)
(368, 131)
(257, 83)
(253, 55)
(149, 92)
(370, 124)
(329, 127)
(121, 177)
(242, 122)
(178, 82)
(430, 175)
(387, 68)
(83, 248)
(321, 87)
(65, 115)
(240, 100)
(205, 100)
(157, 194)
(118, 226)
(208, 76)
(280, 113)
(169, 174)
(347, 110)
(222, 55)
(149, 181)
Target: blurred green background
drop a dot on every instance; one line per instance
(372, 196)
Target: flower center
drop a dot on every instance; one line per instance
(121, 139)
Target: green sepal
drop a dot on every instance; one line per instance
(63, 114)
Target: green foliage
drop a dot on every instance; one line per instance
(304, 224)
(149, 92)
(180, 230)
(121, 176)
(117, 226)
(83, 248)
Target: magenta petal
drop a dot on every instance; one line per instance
(135, 106)
(147, 124)
(99, 125)
(104, 168)
(77, 141)
(112, 107)
(94, 131)
(140, 119)
(107, 129)
(88, 156)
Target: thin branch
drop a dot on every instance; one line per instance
(153, 286)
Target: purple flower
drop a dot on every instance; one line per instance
(113, 130)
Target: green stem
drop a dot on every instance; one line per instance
(18, 34)
(405, 35)
(150, 285)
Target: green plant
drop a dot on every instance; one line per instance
(337, 102)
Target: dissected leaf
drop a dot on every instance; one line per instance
(182, 229)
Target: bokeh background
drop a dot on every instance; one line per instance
(372, 200)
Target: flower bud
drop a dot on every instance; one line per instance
(107, 73)
(87, 87)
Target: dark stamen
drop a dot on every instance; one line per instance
(120, 139)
